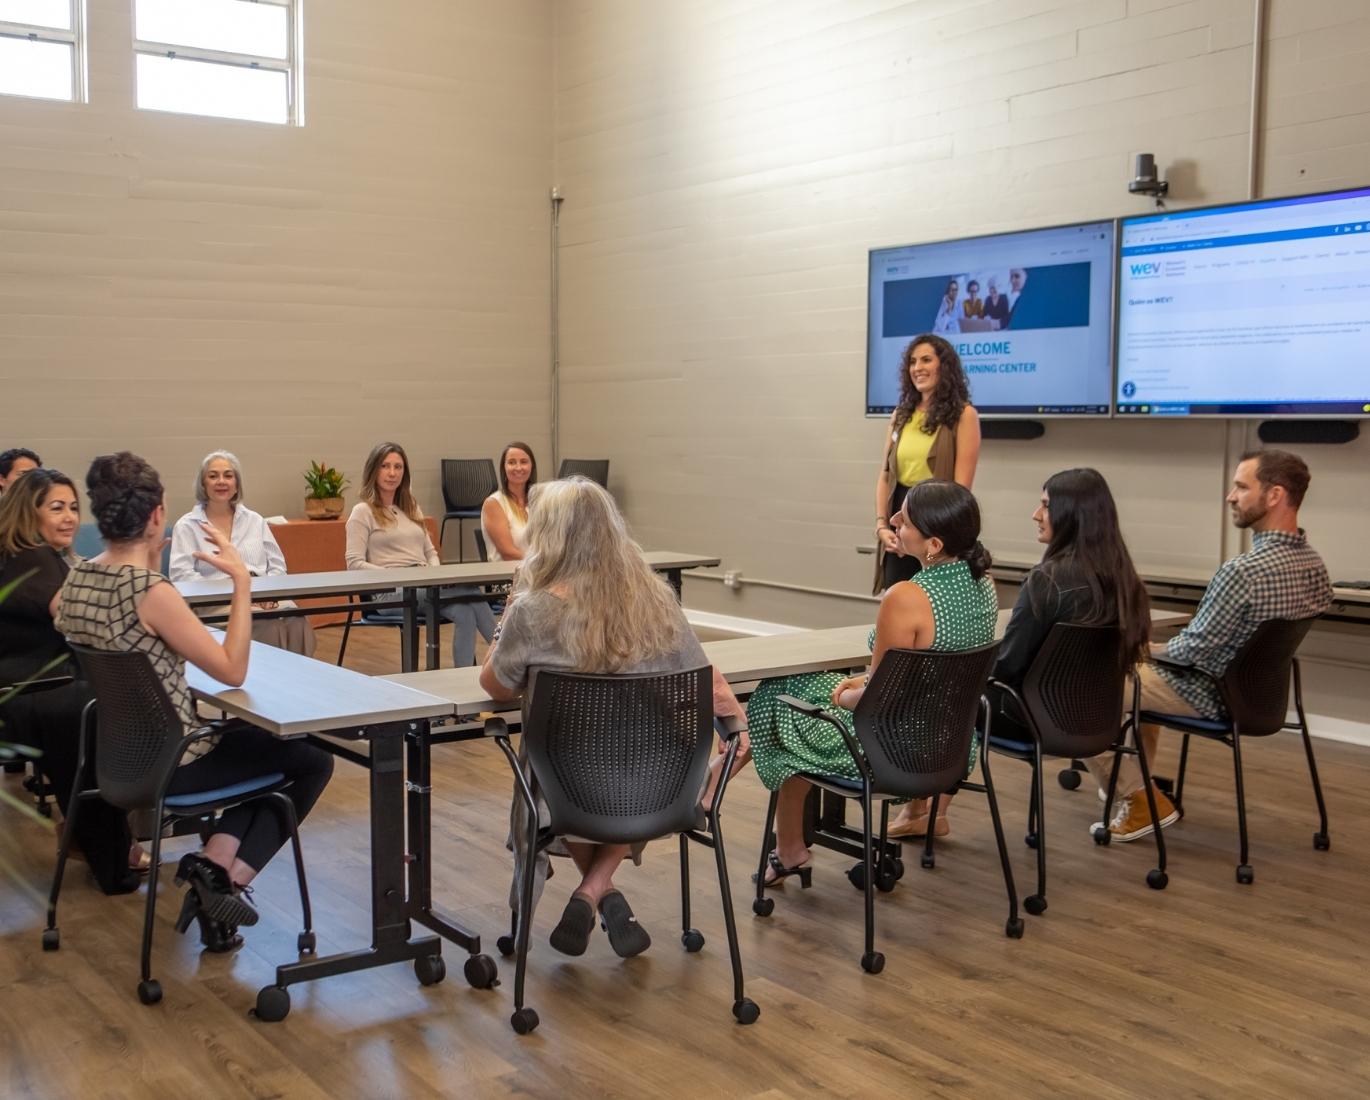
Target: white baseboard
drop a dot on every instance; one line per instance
(1339, 729)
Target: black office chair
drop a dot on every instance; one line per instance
(1255, 694)
(498, 593)
(620, 760)
(596, 469)
(139, 742)
(466, 482)
(22, 757)
(914, 726)
(1070, 704)
(363, 618)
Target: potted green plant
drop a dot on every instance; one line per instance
(324, 499)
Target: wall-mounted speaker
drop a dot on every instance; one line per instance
(1012, 429)
(1308, 431)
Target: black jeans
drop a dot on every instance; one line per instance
(246, 752)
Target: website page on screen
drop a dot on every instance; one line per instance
(1030, 315)
(1259, 309)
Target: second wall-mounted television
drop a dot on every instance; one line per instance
(1030, 313)
(1256, 309)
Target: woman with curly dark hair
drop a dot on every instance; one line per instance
(934, 433)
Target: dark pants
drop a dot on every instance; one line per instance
(50, 721)
(893, 568)
(246, 752)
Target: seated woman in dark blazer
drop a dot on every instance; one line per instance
(1086, 576)
(39, 516)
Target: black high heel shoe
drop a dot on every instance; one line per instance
(215, 936)
(218, 898)
(780, 872)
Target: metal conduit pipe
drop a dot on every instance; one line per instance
(786, 586)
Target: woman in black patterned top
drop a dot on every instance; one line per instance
(119, 601)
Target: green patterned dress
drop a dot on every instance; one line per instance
(785, 742)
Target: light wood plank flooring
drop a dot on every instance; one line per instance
(1207, 989)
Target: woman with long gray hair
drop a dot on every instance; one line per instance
(587, 601)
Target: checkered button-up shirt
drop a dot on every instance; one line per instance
(1280, 577)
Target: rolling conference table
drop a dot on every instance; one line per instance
(418, 591)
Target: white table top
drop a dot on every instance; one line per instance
(345, 581)
(741, 660)
(290, 695)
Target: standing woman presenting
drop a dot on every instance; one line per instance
(934, 434)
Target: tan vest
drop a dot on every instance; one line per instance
(942, 462)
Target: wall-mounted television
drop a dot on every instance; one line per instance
(1254, 309)
(1030, 313)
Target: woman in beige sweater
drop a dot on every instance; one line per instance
(386, 531)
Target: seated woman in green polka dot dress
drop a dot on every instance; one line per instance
(949, 604)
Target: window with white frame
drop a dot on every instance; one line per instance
(41, 49)
(226, 58)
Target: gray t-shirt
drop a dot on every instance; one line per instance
(532, 637)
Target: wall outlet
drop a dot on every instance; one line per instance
(732, 579)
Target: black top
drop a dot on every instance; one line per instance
(28, 638)
(1053, 592)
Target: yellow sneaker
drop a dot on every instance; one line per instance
(1132, 818)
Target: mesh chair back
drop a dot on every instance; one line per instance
(596, 469)
(138, 732)
(917, 716)
(1074, 689)
(620, 759)
(466, 482)
(1255, 687)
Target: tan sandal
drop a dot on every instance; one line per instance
(918, 827)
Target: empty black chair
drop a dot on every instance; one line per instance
(1255, 694)
(914, 728)
(620, 760)
(1070, 705)
(466, 482)
(364, 618)
(139, 743)
(596, 469)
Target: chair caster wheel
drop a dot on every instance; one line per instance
(1157, 879)
(505, 945)
(1035, 904)
(887, 876)
(763, 907)
(1321, 841)
(693, 939)
(481, 972)
(857, 876)
(1013, 928)
(150, 991)
(872, 962)
(430, 969)
(1245, 875)
(746, 1011)
(898, 869)
(1102, 836)
(52, 939)
(1030, 840)
(273, 1003)
(306, 943)
(928, 861)
(524, 1020)
(1069, 779)
(44, 809)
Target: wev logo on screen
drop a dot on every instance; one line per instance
(1149, 270)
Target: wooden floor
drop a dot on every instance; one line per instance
(1206, 989)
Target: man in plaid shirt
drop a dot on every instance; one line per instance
(1280, 577)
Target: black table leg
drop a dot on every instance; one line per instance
(825, 826)
(673, 576)
(390, 942)
(409, 645)
(433, 655)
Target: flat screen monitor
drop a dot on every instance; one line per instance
(1257, 309)
(1030, 313)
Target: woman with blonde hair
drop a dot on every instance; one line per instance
(587, 601)
(386, 531)
(219, 497)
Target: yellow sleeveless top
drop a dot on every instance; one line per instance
(912, 454)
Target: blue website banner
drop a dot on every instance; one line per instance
(1341, 229)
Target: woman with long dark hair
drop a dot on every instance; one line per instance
(948, 605)
(386, 531)
(934, 433)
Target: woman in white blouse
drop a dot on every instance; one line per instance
(504, 515)
(219, 492)
(386, 531)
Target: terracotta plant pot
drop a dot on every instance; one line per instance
(323, 507)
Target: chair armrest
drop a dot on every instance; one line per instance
(814, 710)
(729, 727)
(1170, 662)
(496, 726)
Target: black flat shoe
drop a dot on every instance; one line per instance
(779, 872)
(218, 898)
(571, 936)
(626, 936)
